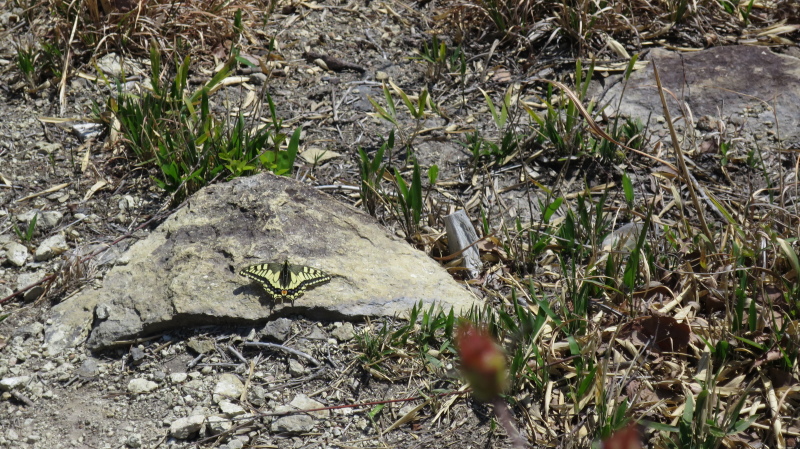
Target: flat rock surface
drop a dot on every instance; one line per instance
(744, 81)
(186, 272)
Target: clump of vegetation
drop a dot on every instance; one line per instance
(185, 141)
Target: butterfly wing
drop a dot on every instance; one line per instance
(285, 281)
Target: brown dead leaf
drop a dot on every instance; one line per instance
(645, 394)
(666, 332)
(709, 146)
(491, 246)
(780, 378)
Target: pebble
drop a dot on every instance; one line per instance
(292, 424)
(218, 424)
(345, 332)
(138, 386)
(134, 441)
(16, 254)
(51, 247)
(183, 428)
(137, 355)
(235, 444)
(26, 279)
(296, 369)
(229, 386)
(303, 402)
(178, 378)
(230, 410)
(89, 368)
(49, 219)
(12, 383)
(277, 330)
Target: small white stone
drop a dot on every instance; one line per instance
(303, 402)
(51, 247)
(296, 369)
(138, 386)
(49, 219)
(16, 254)
(218, 424)
(178, 378)
(12, 383)
(183, 428)
(235, 444)
(229, 386)
(230, 409)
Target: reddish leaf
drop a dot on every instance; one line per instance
(482, 361)
(627, 438)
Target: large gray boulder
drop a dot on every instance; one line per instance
(185, 273)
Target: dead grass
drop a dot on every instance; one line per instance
(543, 29)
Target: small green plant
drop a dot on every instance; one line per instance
(38, 63)
(523, 328)
(579, 236)
(585, 372)
(706, 421)
(681, 7)
(529, 242)
(732, 7)
(563, 127)
(27, 236)
(435, 332)
(485, 150)
(627, 188)
(418, 112)
(440, 59)
(375, 346)
(724, 149)
(490, 152)
(630, 133)
(52, 59)
(425, 330)
(26, 60)
(371, 172)
(612, 412)
(500, 117)
(409, 201)
(177, 133)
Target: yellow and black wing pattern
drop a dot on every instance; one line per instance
(285, 281)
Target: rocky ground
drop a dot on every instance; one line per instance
(206, 387)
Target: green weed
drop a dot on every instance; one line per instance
(418, 111)
(27, 236)
(733, 8)
(371, 172)
(706, 421)
(190, 147)
(427, 336)
(563, 127)
(409, 204)
(442, 60)
(26, 57)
